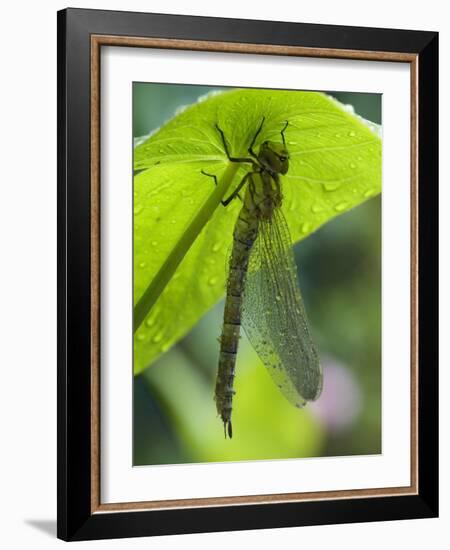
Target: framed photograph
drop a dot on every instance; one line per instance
(247, 252)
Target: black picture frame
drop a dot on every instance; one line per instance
(76, 518)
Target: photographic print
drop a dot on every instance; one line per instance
(257, 274)
(247, 264)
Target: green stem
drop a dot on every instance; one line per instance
(178, 252)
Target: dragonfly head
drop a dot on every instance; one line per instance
(274, 156)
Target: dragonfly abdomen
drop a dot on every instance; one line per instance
(243, 238)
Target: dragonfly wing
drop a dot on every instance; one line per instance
(274, 316)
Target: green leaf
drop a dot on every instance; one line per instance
(183, 235)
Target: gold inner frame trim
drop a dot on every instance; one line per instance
(97, 41)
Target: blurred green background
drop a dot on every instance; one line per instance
(174, 417)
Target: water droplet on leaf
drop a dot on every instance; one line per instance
(341, 206)
(331, 186)
(305, 227)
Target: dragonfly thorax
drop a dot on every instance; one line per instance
(264, 194)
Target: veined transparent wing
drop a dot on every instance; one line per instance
(274, 316)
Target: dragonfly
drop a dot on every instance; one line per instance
(262, 291)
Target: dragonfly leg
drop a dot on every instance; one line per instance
(214, 177)
(282, 132)
(225, 145)
(235, 193)
(258, 131)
